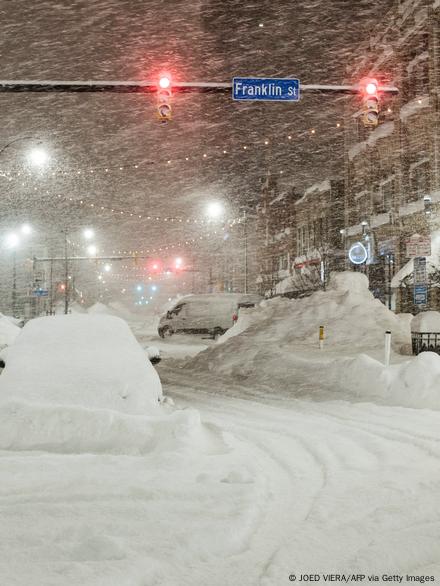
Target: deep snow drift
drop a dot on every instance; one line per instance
(276, 345)
(8, 331)
(81, 383)
(89, 361)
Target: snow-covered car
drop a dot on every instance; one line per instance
(90, 361)
(210, 314)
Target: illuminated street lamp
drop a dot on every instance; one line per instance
(215, 210)
(38, 157)
(12, 242)
(26, 229)
(88, 233)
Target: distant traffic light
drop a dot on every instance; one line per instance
(164, 95)
(370, 102)
(155, 266)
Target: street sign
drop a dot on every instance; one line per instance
(40, 293)
(358, 253)
(418, 246)
(420, 294)
(266, 89)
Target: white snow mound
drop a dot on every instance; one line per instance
(426, 321)
(8, 331)
(276, 346)
(91, 361)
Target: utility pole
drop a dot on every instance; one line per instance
(14, 284)
(66, 274)
(245, 253)
(51, 288)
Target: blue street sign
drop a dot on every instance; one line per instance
(40, 293)
(420, 294)
(266, 89)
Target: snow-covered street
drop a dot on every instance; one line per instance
(266, 487)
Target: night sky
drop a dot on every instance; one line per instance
(214, 40)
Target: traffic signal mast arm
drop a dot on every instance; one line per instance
(152, 86)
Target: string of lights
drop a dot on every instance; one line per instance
(219, 152)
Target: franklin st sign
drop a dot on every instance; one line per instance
(266, 89)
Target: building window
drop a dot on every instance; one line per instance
(419, 178)
(387, 190)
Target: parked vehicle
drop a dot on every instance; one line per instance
(210, 314)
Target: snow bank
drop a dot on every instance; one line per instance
(82, 383)
(99, 308)
(413, 383)
(353, 319)
(73, 430)
(92, 361)
(426, 321)
(276, 346)
(8, 331)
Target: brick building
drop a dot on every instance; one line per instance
(299, 236)
(392, 184)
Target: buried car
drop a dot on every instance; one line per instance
(90, 361)
(211, 314)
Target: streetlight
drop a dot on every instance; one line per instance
(38, 157)
(215, 210)
(12, 242)
(91, 250)
(26, 229)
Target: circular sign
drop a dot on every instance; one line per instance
(358, 253)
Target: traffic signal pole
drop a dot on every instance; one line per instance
(48, 86)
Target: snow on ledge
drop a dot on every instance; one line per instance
(381, 131)
(315, 188)
(413, 107)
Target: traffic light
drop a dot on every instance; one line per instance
(370, 102)
(164, 95)
(155, 266)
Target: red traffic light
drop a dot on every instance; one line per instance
(369, 86)
(164, 82)
(155, 266)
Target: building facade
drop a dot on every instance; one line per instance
(392, 186)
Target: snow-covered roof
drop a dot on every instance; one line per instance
(319, 187)
(413, 107)
(382, 131)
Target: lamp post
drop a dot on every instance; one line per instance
(215, 212)
(88, 234)
(12, 241)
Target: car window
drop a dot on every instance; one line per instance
(177, 309)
